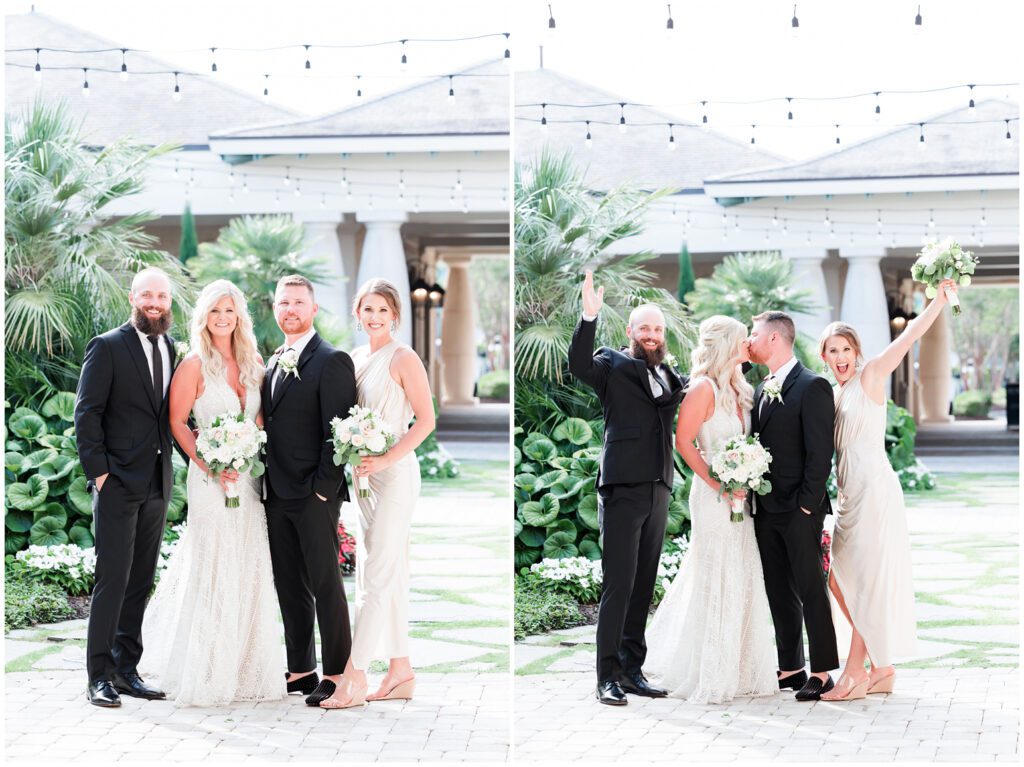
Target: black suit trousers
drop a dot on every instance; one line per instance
(304, 553)
(794, 578)
(633, 520)
(129, 530)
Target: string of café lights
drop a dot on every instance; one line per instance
(306, 70)
(670, 24)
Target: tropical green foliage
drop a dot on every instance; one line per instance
(539, 610)
(254, 252)
(188, 248)
(494, 384)
(687, 279)
(27, 602)
(972, 404)
(46, 501)
(69, 264)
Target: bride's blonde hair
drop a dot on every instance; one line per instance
(243, 340)
(720, 341)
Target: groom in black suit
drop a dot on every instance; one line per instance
(639, 396)
(124, 443)
(794, 416)
(308, 383)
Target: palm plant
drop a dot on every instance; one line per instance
(254, 252)
(69, 262)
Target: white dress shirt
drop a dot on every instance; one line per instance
(165, 357)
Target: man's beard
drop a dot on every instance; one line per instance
(149, 326)
(650, 357)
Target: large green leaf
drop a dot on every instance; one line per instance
(540, 449)
(548, 478)
(540, 513)
(27, 426)
(532, 536)
(525, 482)
(57, 468)
(587, 511)
(176, 508)
(561, 545)
(60, 405)
(590, 548)
(517, 527)
(13, 461)
(575, 430)
(526, 557)
(52, 509)
(48, 531)
(561, 525)
(29, 494)
(80, 497)
(678, 513)
(18, 521)
(37, 458)
(567, 487)
(584, 465)
(14, 542)
(517, 456)
(81, 536)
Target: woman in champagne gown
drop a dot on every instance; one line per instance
(211, 630)
(711, 637)
(870, 576)
(390, 379)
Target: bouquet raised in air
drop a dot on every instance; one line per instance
(231, 441)
(944, 260)
(362, 433)
(741, 464)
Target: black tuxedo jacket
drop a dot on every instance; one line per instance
(637, 425)
(119, 425)
(300, 456)
(799, 433)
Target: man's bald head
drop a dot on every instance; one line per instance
(650, 314)
(646, 332)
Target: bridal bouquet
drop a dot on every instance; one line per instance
(362, 433)
(944, 260)
(232, 441)
(741, 465)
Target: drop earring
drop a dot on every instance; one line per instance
(359, 326)
(394, 326)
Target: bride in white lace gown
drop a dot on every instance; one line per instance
(211, 630)
(711, 637)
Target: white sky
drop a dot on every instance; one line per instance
(183, 24)
(744, 50)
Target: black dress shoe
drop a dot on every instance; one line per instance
(321, 692)
(132, 684)
(611, 694)
(304, 684)
(637, 684)
(793, 681)
(814, 688)
(102, 693)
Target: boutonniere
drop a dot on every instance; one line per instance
(773, 390)
(180, 351)
(289, 363)
(670, 360)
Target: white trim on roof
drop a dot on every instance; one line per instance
(465, 142)
(805, 187)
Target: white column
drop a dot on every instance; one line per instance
(321, 242)
(864, 305)
(936, 371)
(808, 275)
(383, 257)
(458, 347)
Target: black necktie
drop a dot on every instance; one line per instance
(278, 373)
(658, 379)
(158, 369)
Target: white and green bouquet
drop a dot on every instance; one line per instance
(232, 441)
(740, 464)
(944, 260)
(362, 433)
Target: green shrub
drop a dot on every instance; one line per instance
(27, 602)
(972, 404)
(435, 462)
(538, 610)
(494, 385)
(999, 397)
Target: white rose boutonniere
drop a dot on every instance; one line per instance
(773, 390)
(670, 360)
(289, 363)
(180, 351)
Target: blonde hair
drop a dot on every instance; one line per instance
(243, 340)
(384, 289)
(847, 332)
(720, 340)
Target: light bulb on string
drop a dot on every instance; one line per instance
(308, 68)
(725, 220)
(405, 59)
(917, 18)
(344, 178)
(1009, 137)
(85, 82)
(920, 139)
(245, 184)
(451, 90)
(124, 66)
(785, 227)
(213, 61)
(983, 221)
(832, 232)
(931, 219)
(359, 87)
(766, 238)
(970, 104)
(458, 181)
(37, 73)
(191, 177)
(878, 234)
(176, 168)
(231, 195)
(348, 194)
(878, 220)
(287, 176)
(551, 18)
(622, 117)
(508, 54)
(753, 141)
(704, 117)
(837, 133)
(231, 178)
(789, 114)
(266, 87)
(736, 223)
(401, 180)
(176, 95)
(543, 118)
(588, 142)
(298, 187)
(828, 221)
(670, 25)
(878, 106)
(794, 23)
(671, 139)
(775, 217)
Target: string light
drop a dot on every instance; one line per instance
(231, 178)
(344, 178)
(176, 95)
(85, 82)
(588, 142)
(931, 219)
(266, 87)
(775, 217)
(1008, 136)
(920, 139)
(405, 60)
(508, 54)
(917, 19)
(309, 66)
(789, 101)
(458, 181)
(983, 221)
(451, 89)
(670, 25)
(359, 87)
(543, 118)
(785, 227)
(551, 18)
(878, 106)
(704, 118)
(828, 221)
(837, 133)
(970, 104)
(245, 184)
(287, 176)
(124, 66)
(671, 139)
(213, 60)
(37, 73)
(795, 23)
(879, 220)
(298, 187)
(401, 180)
(622, 117)
(752, 140)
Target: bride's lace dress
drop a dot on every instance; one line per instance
(711, 637)
(211, 633)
